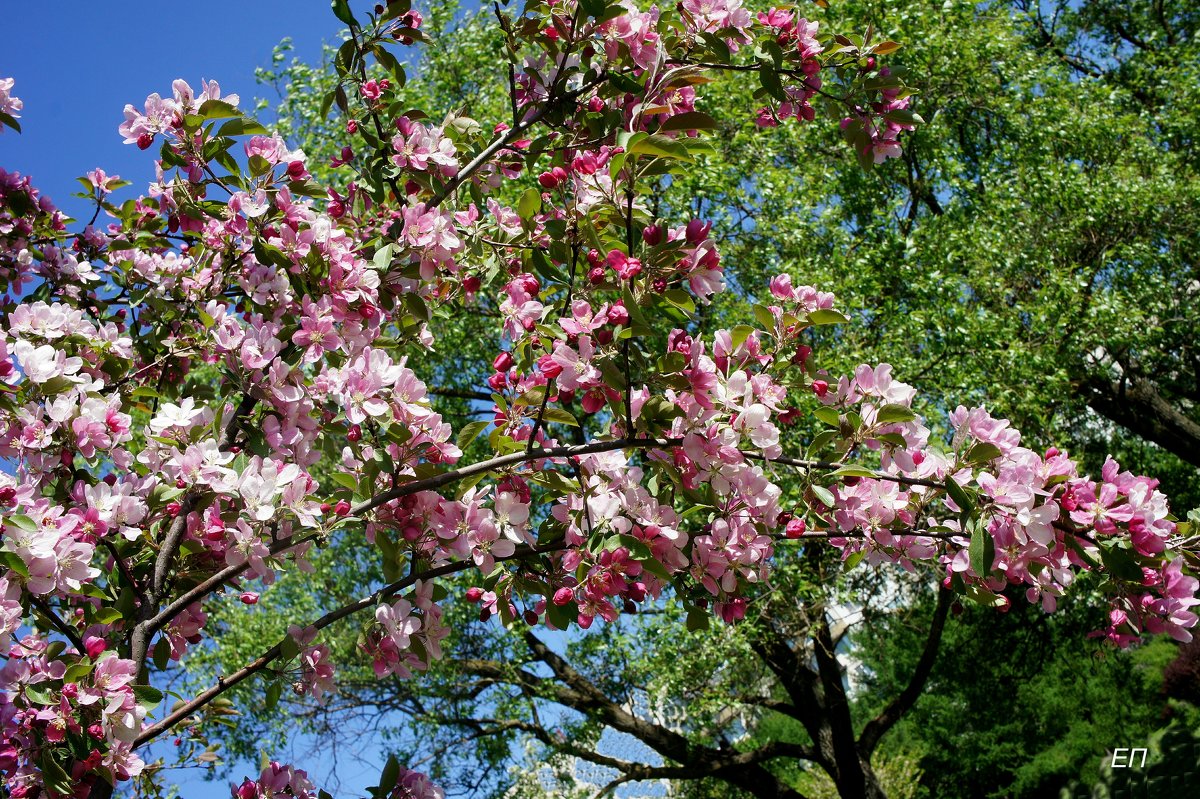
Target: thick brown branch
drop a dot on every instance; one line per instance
(877, 727)
(1136, 404)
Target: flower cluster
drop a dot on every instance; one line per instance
(229, 371)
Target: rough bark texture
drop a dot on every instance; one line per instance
(1135, 404)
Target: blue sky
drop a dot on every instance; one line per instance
(77, 64)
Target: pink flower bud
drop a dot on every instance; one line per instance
(249, 598)
(795, 528)
(173, 509)
(474, 594)
(652, 235)
(697, 231)
(549, 367)
(618, 315)
(94, 646)
(596, 105)
(354, 433)
(144, 141)
(820, 388)
(551, 179)
(342, 508)
(596, 275)
(503, 362)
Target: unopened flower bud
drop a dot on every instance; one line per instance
(94, 646)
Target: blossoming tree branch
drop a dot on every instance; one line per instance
(177, 369)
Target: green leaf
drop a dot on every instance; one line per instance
(739, 335)
(162, 653)
(959, 495)
(661, 146)
(593, 8)
(1119, 563)
(218, 109)
(825, 495)
(829, 416)
(892, 414)
(853, 471)
(274, 691)
(382, 260)
(768, 76)
(983, 452)
(147, 695)
(470, 432)
(22, 522)
(77, 672)
(54, 777)
(530, 204)
(559, 416)
(691, 120)
(345, 480)
(680, 299)
(982, 551)
(106, 616)
(38, 696)
(288, 648)
(827, 316)
(341, 10)
(56, 385)
(821, 440)
(697, 619)
(241, 126)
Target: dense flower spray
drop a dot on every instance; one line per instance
(173, 376)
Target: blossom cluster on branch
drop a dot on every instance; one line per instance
(174, 375)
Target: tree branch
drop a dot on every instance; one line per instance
(1136, 404)
(272, 654)
(902, 703)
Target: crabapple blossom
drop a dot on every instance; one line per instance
(232, 374)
